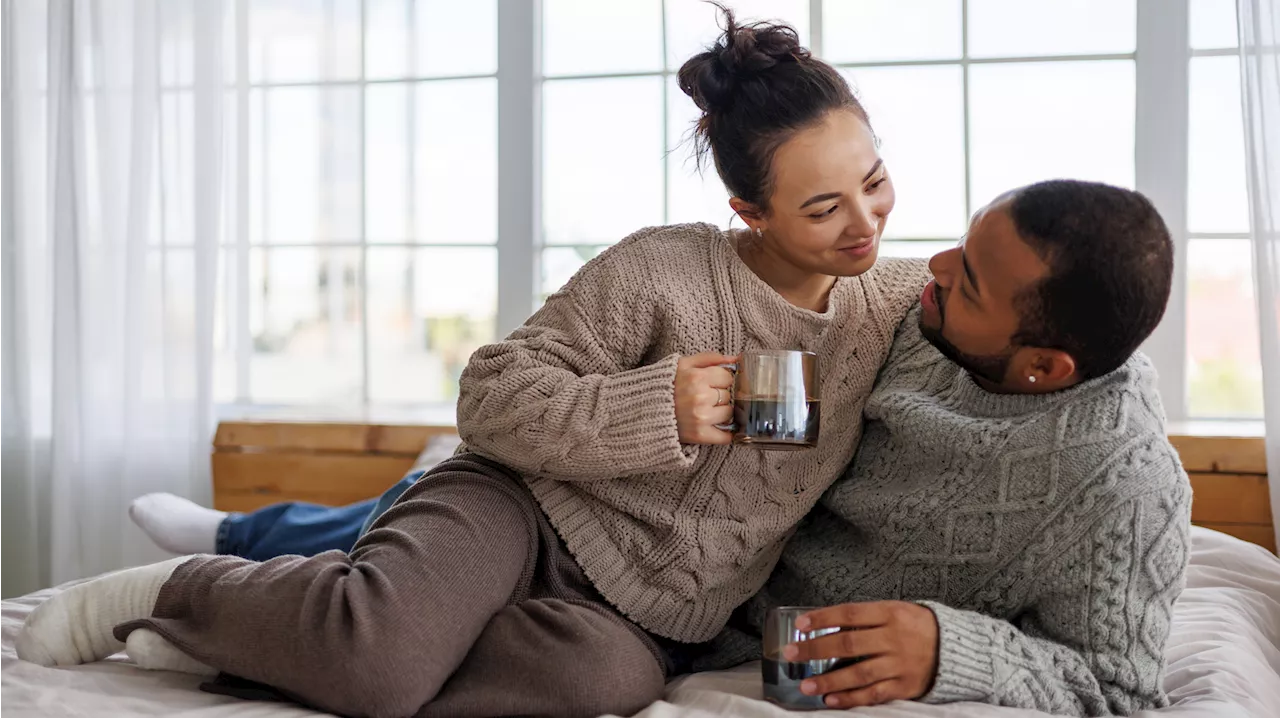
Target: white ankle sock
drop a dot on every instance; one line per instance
(176, 524)
(151, 652)
(75, 626)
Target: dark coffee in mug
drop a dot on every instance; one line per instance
(777, 423)
(775, 399)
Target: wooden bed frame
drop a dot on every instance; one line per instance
(256, 463)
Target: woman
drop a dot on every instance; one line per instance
(600, 518)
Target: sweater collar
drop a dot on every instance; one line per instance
(766, 314)
(963, 393)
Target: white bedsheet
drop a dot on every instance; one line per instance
(1224, 662)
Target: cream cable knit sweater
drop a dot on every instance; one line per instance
(580, 400)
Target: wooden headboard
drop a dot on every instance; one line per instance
(260, 463)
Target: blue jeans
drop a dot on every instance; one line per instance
(300, 529)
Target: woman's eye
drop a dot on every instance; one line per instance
(877, 183)
(827, 212)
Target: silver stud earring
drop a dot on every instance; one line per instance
(759, 232)
(1031, 379)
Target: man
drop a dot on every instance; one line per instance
(1015, 527)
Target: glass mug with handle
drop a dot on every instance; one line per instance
(775, 399)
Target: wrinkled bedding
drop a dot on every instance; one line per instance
(1223, 662)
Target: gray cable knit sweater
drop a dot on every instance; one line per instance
(1049, 534)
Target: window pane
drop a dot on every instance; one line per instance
(388, 178)
(1017, 28)
(1036, 121)
(1217, 195)
(559, 264)
(692, 25)
(874, 30)
(430, 38)
(602, 158)
(916, 250)
(692, 196)
(306, 154)
(386, 50)
(918, 113)
(305, 323)
(225, 331)
(1224, 368)
(448, 162)
(304, 40)
(167, 321)
(177, 123)
(176, 48)
(1213, 24)
(457, 161)
(594, 37)
(457, 38)
(429, 309)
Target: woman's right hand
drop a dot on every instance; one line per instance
(702, 384)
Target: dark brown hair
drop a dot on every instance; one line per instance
(756, 87)
(1110, 263)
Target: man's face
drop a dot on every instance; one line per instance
(969, 312)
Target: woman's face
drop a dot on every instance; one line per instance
(830, 199)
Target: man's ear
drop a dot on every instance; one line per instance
(1042, 369)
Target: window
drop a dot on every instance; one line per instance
(969, 98)
(376, 256)
(1223, 358)
(608, 73)
(372, 172)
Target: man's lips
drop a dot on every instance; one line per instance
(929, 297)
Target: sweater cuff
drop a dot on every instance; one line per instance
(641, 431)
(965, 669)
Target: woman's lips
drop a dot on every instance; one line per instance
(860, 250)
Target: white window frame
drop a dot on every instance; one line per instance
(1161, 59)
(239, 248)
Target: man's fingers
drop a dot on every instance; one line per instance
(847, 615)
(850, 678)
(872, 695)
(845, 644)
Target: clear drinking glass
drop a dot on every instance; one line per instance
(781, 677)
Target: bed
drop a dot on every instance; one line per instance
(1223, 662)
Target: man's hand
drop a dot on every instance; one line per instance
(897, 642)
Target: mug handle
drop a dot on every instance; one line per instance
(732, 426)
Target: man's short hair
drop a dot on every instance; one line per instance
(1110, 262)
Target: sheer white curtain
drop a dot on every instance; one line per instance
(114, 207)
(1259, 22)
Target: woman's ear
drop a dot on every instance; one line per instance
(748, 212)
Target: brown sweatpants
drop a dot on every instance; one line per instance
(461, 601)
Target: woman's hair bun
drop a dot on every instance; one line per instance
(712, 78)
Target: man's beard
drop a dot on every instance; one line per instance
(993, 367)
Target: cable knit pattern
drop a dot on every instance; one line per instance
(1049, 534)
(580, 401)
